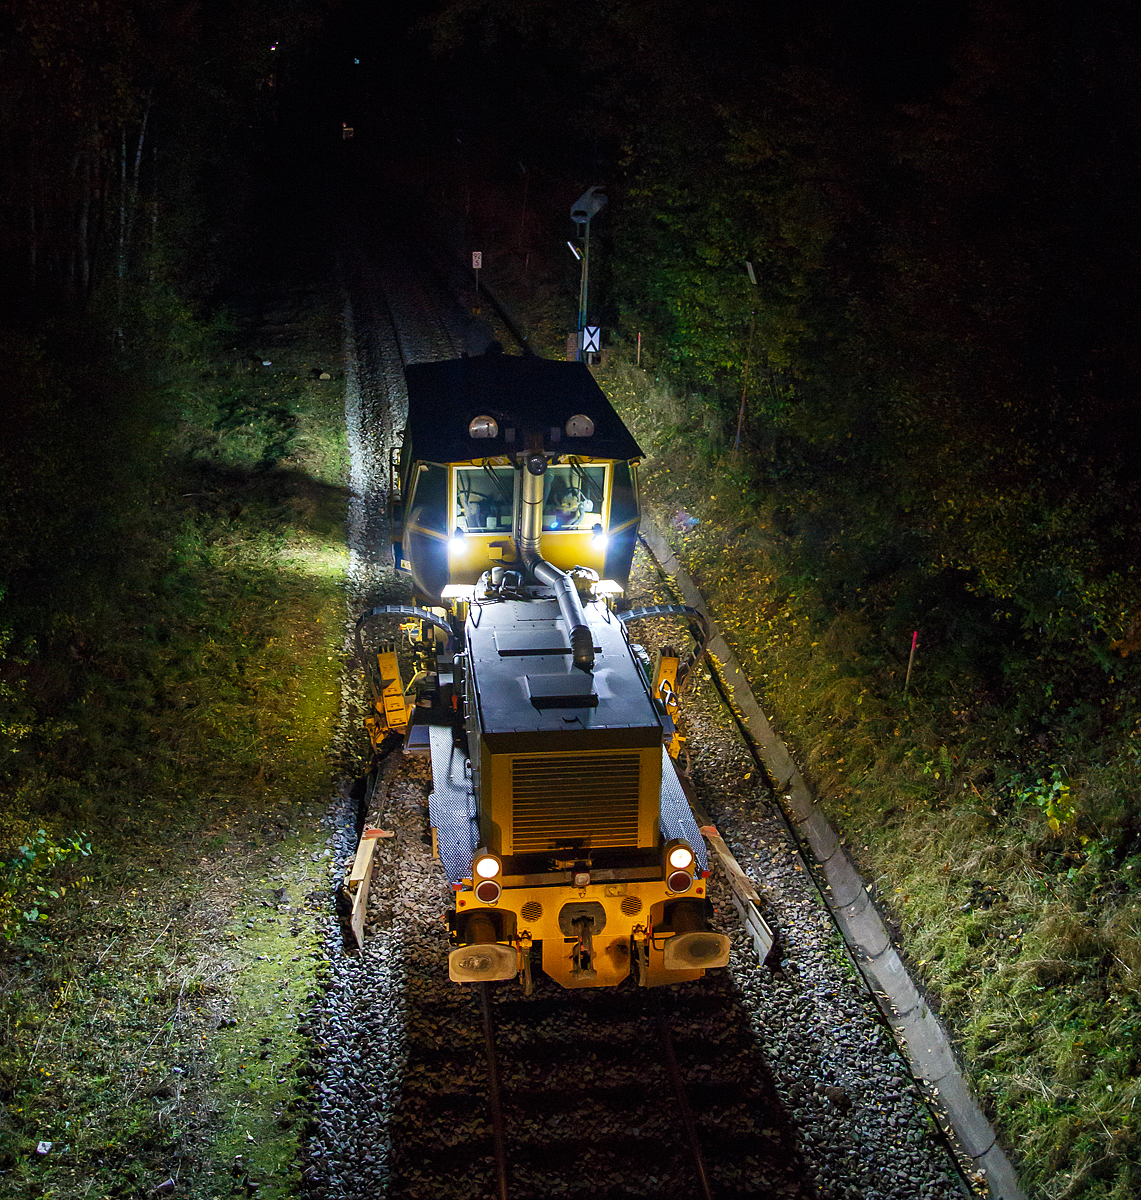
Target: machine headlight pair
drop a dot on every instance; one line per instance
(679, 866)
(485, 870)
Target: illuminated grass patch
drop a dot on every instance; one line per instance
(996, 823)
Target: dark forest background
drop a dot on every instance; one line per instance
(938, 202)
(143, 146)
(923, 414)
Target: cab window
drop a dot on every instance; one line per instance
(484, 499)
(427, 505)
(574, 497)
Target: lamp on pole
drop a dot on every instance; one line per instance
(585, 207)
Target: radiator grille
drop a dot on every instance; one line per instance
(567, 800)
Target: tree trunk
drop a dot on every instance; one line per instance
(83, 232)
(136, 171)
(122, 263)
(33, 228)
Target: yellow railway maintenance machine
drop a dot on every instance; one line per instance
(556, 808)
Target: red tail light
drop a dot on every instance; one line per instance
(488, 891)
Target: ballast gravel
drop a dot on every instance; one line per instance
(862, 1130)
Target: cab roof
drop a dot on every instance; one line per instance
(523, 393)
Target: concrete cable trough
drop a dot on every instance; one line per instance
(918, 1033)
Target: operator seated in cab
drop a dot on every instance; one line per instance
(567, 508)
(473, 508)
(480, 513)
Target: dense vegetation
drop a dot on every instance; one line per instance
(132, 137)
(163, 792)
(998, 850)
(922, 416)
(171, 551)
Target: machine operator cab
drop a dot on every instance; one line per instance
(472, 422)
(556, 810)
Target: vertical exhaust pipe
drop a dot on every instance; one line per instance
(530, 532)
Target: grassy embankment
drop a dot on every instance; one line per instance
(999, 840)
(150, 990)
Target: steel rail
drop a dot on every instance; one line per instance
(424, 304)
(493, 1092)
(682, 1100)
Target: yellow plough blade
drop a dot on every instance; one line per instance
(666, 664)
(391, 708)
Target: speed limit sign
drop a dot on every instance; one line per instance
(476, 259)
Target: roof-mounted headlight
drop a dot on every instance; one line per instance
(483, 426)
(580, 425)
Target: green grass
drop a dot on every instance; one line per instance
(993, 803)
(120, 1048)
(151, 1014)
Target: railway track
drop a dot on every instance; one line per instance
(792, 1088)
(623, 1094)
(401, 309)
